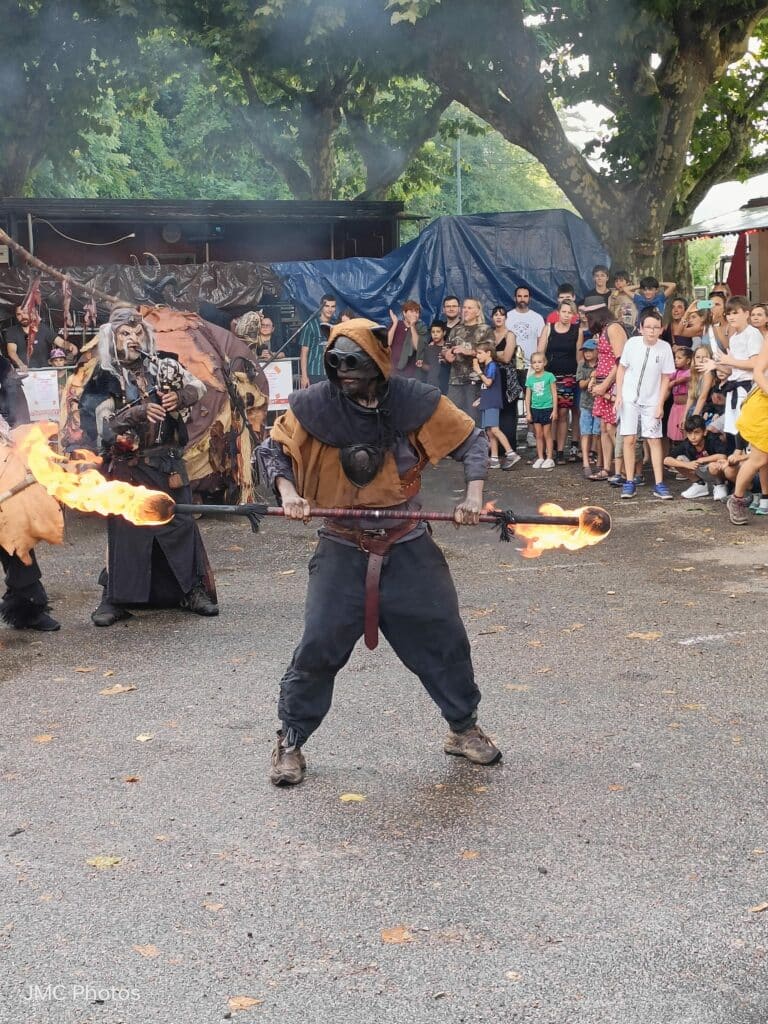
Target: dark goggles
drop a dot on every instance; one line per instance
(344, 361)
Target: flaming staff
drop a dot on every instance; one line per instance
(76, 482)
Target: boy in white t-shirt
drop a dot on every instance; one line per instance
(744, 344)
(642, 385)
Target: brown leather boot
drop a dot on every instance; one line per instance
(472, 744)
(288, 764)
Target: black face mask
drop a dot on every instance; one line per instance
(351, 369)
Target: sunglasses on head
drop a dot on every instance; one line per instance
(339, 361)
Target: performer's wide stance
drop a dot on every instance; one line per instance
(360, 440)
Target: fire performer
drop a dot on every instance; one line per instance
(27, 514)
(361, 439)
(140, 427)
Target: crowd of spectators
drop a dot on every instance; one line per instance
(631, 382)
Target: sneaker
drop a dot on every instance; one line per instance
(639, 480)
(530, 440)
(663, 492)
(537, 463)
(493, 463)
(720, 492)
(574, 454)
(617, 480)
(288, 764)
(628, 490)
(737, 510)
(755, 503)
(472, 744)
(547, 464)
(510, 459)
(560, 458)
(696, 492)
(761, 510)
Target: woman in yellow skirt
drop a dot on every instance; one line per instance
(752, 424)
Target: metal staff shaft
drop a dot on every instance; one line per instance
(412, 515)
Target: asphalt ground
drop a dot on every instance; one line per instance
(606, 872)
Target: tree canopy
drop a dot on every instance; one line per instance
(342, 98)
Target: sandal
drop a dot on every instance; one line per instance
(601, 474)
(587, 472)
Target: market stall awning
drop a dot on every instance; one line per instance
(748, 218)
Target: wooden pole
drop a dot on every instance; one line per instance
(57, 274)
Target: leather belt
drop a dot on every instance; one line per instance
(376, 544)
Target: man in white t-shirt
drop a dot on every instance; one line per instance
(643, 381)
(526, 325)
(744, 343)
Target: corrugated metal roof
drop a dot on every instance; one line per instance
(748, 218)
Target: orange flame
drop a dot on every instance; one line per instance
(76, 482)
(594, 526)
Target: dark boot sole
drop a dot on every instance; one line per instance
(282, 782)
(484, 764)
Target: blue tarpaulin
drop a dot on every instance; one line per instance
(487, 255)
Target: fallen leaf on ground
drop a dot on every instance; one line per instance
(132, 778)
(148, 951)
(469, 854)
(615, 788)
(236, 1003)
(396, 936)
(691, 707)
(758, 908)
(85, 668)
(235, 547)
(480, 613)
(685, 568)
(759, 851)
(101, 863)
(513, 976)
(287, 572)
(161, 839)
(573, 627)
(108, 673)
(213, 907)
(352, 798)
(44, 737)
(145, 737)
(644, 636)
(543, 670)
(517, 687)
(535, 643)
(113, 691)
(480, 789)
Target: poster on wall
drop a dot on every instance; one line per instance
(41, 388)
(279, 374)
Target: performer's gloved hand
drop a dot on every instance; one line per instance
(294, 506)
(467, 512)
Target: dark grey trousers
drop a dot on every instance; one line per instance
(419, 616)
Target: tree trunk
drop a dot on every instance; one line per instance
(321, 118)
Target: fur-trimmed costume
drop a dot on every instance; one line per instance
(325, 444)
(158, 566)
(27, 517)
